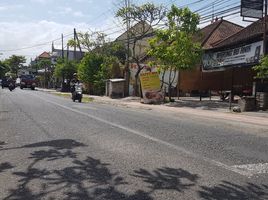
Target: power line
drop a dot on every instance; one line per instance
(30, 47)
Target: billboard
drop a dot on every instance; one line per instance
(244, 55)
(252, 8)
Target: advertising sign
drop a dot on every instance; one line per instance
(245, 55)
(150, 84)
(164, 77)
(252, 8)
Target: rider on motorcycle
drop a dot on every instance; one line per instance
(73, 82)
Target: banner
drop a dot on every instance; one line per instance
(164, 77)
(241, 56)
(150, 84)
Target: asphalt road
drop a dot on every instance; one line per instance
(52, 148)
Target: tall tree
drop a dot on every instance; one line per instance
(174, 48)
(143, 19)
(15, 63)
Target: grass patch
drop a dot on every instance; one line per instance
(68, 95)
(87, 99)
(65, 95)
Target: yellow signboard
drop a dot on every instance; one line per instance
(150, 84)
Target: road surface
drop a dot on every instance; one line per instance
(52, 148)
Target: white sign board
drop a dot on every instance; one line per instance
(244, 55)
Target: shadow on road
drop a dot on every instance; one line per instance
(5, 166)
(167, 179)
(56, 171)
(87, 178)
(227, 190)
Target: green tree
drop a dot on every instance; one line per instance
(174, 48)
(262, 68)
(89, 67)
(145, 17)
(3, 68)
(65, 69)
(88, 40)
(110, 68)
(15, 63)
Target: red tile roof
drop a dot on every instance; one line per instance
(218, 31)
(250, 32)
(44, 55)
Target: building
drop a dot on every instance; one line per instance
(195, 80)
(228, 64)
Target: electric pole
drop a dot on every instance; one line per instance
(127, 71)
(74, 45)
(62, 49)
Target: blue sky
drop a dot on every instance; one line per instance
(28, 23)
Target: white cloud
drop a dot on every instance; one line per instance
(17, 35)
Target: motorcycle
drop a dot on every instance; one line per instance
(11, 86)
(77, 92)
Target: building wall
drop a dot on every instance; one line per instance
(237, 78)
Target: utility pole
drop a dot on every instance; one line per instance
(62, 49)
(78, 43)
(265, 27)
(74, 45)
(127, 71)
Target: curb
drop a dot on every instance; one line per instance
(226, 116)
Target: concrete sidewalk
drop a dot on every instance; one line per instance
(214, 108)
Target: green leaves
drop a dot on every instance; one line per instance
(147, 12)
(15, 63)
(65, 68)
(174, 46)
(262, 68)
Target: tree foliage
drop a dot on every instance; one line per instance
(3, 68)
(65, 68)
(96, 68)
(142, 20)
(89, 40)
(174, 48)
(15, 63)
(262, 68)
(89, 66)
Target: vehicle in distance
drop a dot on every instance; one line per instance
(4, 82)
(27, 81)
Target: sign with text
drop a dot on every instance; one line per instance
(245, 55)
(150, 84)
(252, 8)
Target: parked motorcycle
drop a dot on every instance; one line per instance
(77, 92)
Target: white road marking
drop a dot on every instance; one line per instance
(84, 107)
(234, 168)
(259, 168)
